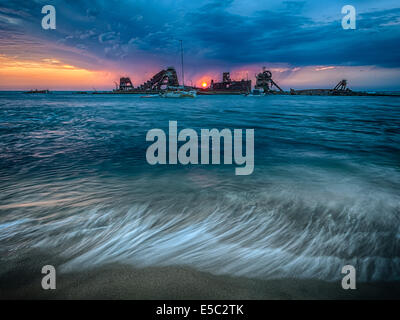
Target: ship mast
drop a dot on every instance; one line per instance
(183, 74)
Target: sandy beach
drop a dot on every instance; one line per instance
(117, 281)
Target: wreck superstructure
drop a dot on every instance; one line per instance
(160, 81)
(265, 82)
(340, 89)
(227, 86)
(265, 85)
(125, 84)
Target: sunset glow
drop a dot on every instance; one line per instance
(49, 73)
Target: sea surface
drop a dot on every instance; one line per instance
(325, 191)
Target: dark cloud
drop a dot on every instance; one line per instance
(296, 39)
(127, 30)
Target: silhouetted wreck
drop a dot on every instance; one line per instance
(38, 91)
(160, 81)
(265, 82)
(340, 89)
(227, 86)
(264, 85)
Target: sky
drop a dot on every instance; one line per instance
(98, 41)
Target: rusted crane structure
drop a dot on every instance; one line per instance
(340, 89)
(125, 84)
(264, 81)
(158, 82)
(161, 80)
(342, 85)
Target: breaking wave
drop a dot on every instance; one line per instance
(263, 230)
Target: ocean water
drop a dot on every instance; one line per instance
(74, 183)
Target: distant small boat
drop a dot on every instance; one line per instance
(179, 92)
(150, 96)
(38, 91)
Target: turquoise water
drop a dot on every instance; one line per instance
(74, 182)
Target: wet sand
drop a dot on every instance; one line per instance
(115, 281)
